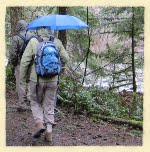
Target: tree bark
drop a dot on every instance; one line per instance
(62, 33)
(16, 14)
(133, 53)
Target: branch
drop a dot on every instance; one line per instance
(123, 80)
(123, 54)
(134, 123)
(111, 88)
(117, 72)
(79, 64)
(112, 18)
(111, 32)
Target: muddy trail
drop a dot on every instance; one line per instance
(71, 129)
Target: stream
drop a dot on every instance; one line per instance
(104, 82)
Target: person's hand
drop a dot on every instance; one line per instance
(63, 70)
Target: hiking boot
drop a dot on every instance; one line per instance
(54, 124)
(48, 136)
(22, 107)
(56, 110)
(40, 129)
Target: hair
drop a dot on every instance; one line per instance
(47, 34)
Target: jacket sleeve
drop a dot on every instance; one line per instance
(63, 53)
(25, 62)
(14, 51)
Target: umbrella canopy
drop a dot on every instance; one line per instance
(57, 22)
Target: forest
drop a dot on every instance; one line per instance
(102, 86)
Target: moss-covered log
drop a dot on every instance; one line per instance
(133, 123)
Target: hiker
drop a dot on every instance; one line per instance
(15, 57)
(43, 95)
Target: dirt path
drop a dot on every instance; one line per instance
(71, 130)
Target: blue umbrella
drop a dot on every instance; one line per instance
(57, 22)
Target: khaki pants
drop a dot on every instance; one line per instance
(43, 107)
(22, 95)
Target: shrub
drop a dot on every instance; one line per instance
(96, 100)
(10, 78)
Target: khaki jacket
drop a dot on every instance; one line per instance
(27, 66)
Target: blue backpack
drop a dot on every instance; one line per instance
(47, 59)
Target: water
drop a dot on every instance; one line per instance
(104, 82)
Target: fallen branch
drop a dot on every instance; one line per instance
(133, 123)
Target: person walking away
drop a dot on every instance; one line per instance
(43, 95)
(17, 49)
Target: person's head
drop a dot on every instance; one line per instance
(44, 32)
(21, 25)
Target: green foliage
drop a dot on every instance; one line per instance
(32, 12)
(96, 100)
(80, 38)
(10, 78)
(81, 12)
(123, 19)
(139, 61)
(74, 95)
(114, 105)
(93, 61)
(137, 106)
(139, 23)
(113, 51)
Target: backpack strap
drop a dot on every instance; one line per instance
(25, 42)
(23, 38)
(33, 36)
(38, 38)
(23, 47)
(51, 39)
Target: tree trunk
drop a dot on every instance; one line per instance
(133, 53)
(55, 11)
(16, 14)
(88, 51)
(62, 33)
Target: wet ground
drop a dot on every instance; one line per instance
(71, 130)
